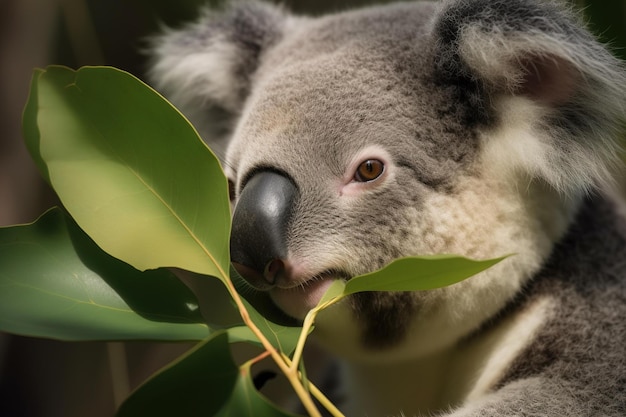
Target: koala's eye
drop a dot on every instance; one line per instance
(231, 190)
(369, 170)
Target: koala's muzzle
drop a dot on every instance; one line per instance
(257, 243)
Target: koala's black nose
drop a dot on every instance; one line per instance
(260, 221)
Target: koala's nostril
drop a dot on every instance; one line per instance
(272, 270)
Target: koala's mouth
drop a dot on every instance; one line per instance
(297, 299)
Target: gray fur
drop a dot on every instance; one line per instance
(495, 119)
(575, 366)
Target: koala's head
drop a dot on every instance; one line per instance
(468, 127)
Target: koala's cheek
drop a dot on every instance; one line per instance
(298, 301)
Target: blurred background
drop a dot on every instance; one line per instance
(50, 378)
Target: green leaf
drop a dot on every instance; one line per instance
(204, 382)
(56, 283)
(419, 273)
(130, 169)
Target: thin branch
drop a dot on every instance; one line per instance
(292, 377)
(328, 405)
(309, 320)
(257, 359)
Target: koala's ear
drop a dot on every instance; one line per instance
(539, 50)
(205, 68)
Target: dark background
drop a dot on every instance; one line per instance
(49, 378)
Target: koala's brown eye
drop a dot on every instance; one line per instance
(369, 170)
(231, 190)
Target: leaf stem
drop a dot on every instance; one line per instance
(258, 358)
(309, 320)
(319, 395)
(328, 405)
(293, 377)
(306, 327)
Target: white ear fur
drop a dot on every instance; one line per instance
(521, 145)
(559, 98)
(190, 75)
(205, 68)
(526, 65)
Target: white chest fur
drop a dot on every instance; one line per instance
(447, 379)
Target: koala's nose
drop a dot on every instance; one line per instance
(258, 237)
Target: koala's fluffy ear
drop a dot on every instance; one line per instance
(538, 50)
(205, 68)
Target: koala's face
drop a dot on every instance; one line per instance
(381, 162)
(368, 136)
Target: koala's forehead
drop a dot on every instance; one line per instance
(339, 85)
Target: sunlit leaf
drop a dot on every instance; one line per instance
(130, 169)
(419, 273)
(56, 283)
(134, 174)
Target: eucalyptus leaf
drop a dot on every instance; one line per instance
(204, 382)
(130, 169)
(56, 283)
(419, 273)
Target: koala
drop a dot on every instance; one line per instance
(480, 128)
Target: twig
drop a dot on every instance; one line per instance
(292, 377)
